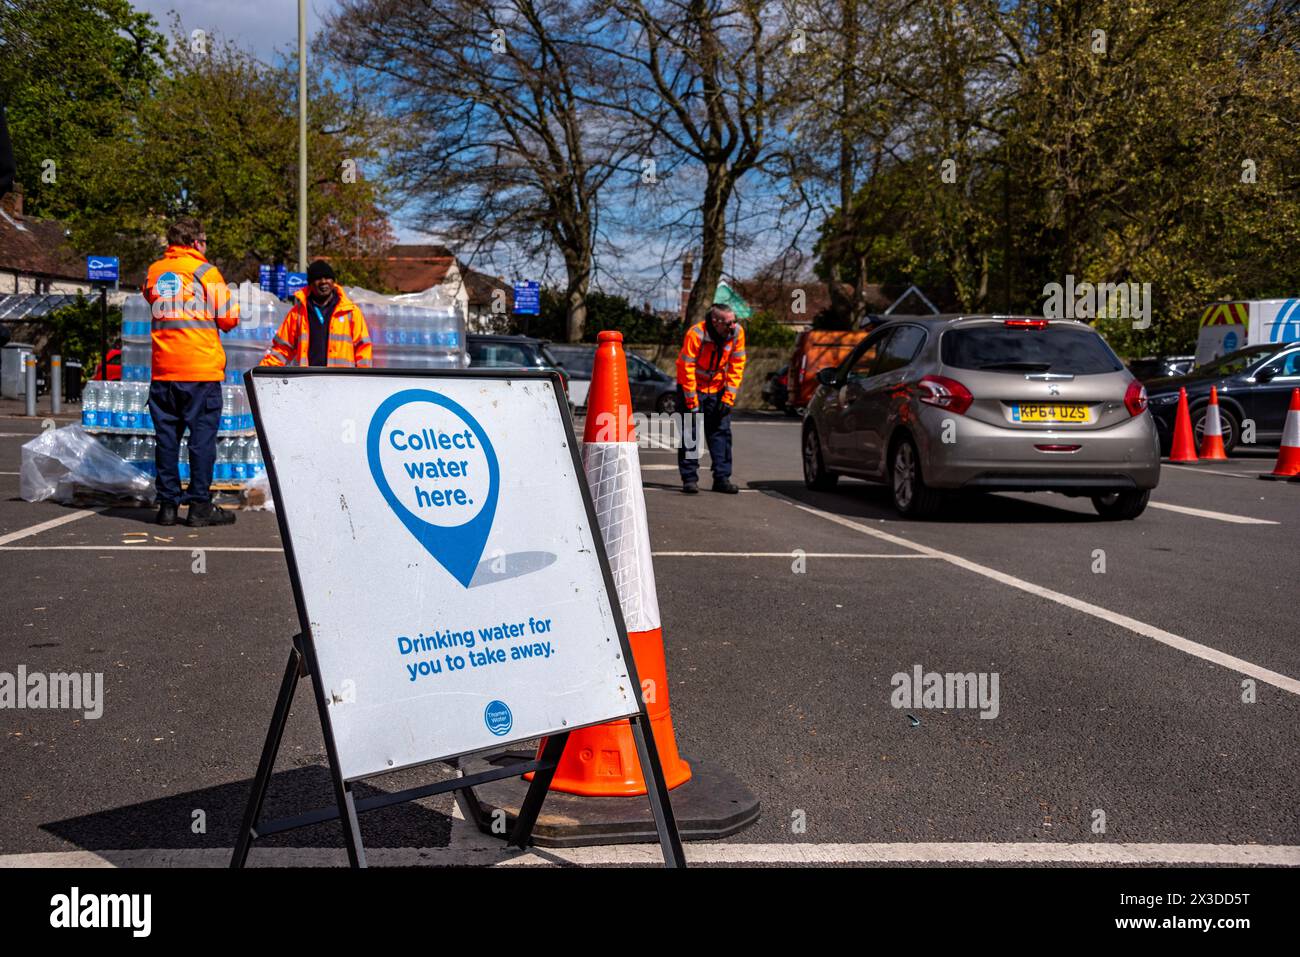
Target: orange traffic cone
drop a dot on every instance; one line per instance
(1212, 436)
(1184, 448)
(602, 761)
(1288, 456)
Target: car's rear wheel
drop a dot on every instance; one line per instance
(667, 404)
(912, 497)
(1118, 506)
(1227, 423)
(815, 473)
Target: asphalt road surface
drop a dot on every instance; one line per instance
(1148, 676)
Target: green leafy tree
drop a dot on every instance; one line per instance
(73, 74)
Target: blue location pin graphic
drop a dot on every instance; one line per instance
(457, 548)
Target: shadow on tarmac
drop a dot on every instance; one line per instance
(169, 822)
(867, 501)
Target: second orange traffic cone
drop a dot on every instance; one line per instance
(1288, 456)
(601, 761)
(1212, 434)
(1184, 447)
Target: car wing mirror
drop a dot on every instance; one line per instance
(827, 377)
(1265, 375)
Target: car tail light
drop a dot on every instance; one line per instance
(1027, 323)
(1135, 398)
(945, 393)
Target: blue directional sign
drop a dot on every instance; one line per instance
(528, 298)
(265, 277)
(293, 282)
(101, 268)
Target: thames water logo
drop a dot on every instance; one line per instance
(168, 284)
(498, 718)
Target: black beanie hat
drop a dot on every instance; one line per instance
(320, 269)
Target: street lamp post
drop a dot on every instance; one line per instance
(302, 135)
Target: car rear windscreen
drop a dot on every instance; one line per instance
(1011, 349)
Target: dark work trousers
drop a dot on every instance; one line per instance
(174, 405)
(717, 433)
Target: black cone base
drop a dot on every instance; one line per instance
(712, 804)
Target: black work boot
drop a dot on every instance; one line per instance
(725, 485)
(691, 488)
(205, 513)
(167, 513)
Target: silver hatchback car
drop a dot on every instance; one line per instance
(984, 403)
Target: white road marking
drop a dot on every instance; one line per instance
(790, 554)
(1193, 468)
(494, 853)
(1204, 652)
(137, 547)
(1217, 516)
(657, 468)
(46, 526)
(704, 489)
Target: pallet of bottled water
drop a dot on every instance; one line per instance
(123, 408)
(416, 331)
(239, 458)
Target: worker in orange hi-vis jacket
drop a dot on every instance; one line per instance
(323, 328)
(191, 305)
(709, 370)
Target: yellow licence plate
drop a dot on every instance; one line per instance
(1049, 413)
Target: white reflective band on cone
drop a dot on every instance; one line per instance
(1212, 426)
(614, 476)
(1291, 431)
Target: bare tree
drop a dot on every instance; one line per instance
(697, 76)
(503, 141)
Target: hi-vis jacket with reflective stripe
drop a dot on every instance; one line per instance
(706, 368)
(189, 302)
(349, 343)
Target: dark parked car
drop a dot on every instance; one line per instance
(776, 390)
(1253, 383)
(1157, 367)
(513, 352)
(652, 389)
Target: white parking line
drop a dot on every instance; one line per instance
(46, 526)
(1204, 471)
(649, 855)
(1206, 513)
(790, 554)
(137, 547)
(1204, 652)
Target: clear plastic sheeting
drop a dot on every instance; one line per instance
(60, 463)
(614, 476)
(256, 496)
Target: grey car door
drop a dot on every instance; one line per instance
(874, 409)
(846, 437)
